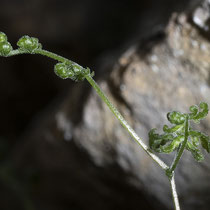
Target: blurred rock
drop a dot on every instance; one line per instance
(201, 15)
(148, 81)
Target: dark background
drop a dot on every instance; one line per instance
(84, 31)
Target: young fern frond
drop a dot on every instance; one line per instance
(173, 137)
(177, 138)
(5, 46)
(30, 45)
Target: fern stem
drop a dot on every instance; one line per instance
(125, 124)
(181, 149)
(174, 193)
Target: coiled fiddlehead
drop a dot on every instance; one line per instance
(28, 44)
(72, 71)
(173, 137)
(5, 46)
(65, 68)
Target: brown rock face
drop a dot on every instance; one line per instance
(81, 149)
(145, 84)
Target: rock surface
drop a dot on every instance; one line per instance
(145, 84)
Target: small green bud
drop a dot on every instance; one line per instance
(71, 70)
(176, 118)
(5, 48)
(76, 69)
(29, 44)
(3, 37)
(63, 70)
(193, 109)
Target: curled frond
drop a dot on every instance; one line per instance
(5, 46)
(205, 142)
(3, 37)
(156, 140)
(176, 118)
(173, 137)
(168, 148)
(72, 71)
(198, 137)
(195, 151)
(174, 129)
(197, 115)
(28, 44)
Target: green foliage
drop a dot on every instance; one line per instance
(173, 137)
(5, 46)
(176, 138)
(195, 115)
(64, 68)
(3, 37)
(71, 70)
(176, 118)
(28, 44)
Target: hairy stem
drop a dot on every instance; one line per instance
(174, 193)
(106, 100)
(170, 171)
(181, 149)
(42, 52)
(124, 123)
(52, 55)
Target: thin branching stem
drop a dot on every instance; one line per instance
(170, 171)
(52, 55)
(106, 100)
(183, 145)
(174, 193)
(42, 52)
(125, 124)
(69, 69)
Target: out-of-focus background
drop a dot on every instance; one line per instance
(60, 148)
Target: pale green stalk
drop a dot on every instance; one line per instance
(106, 100)
(123, 122)
(181, 149)
(174, 193)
